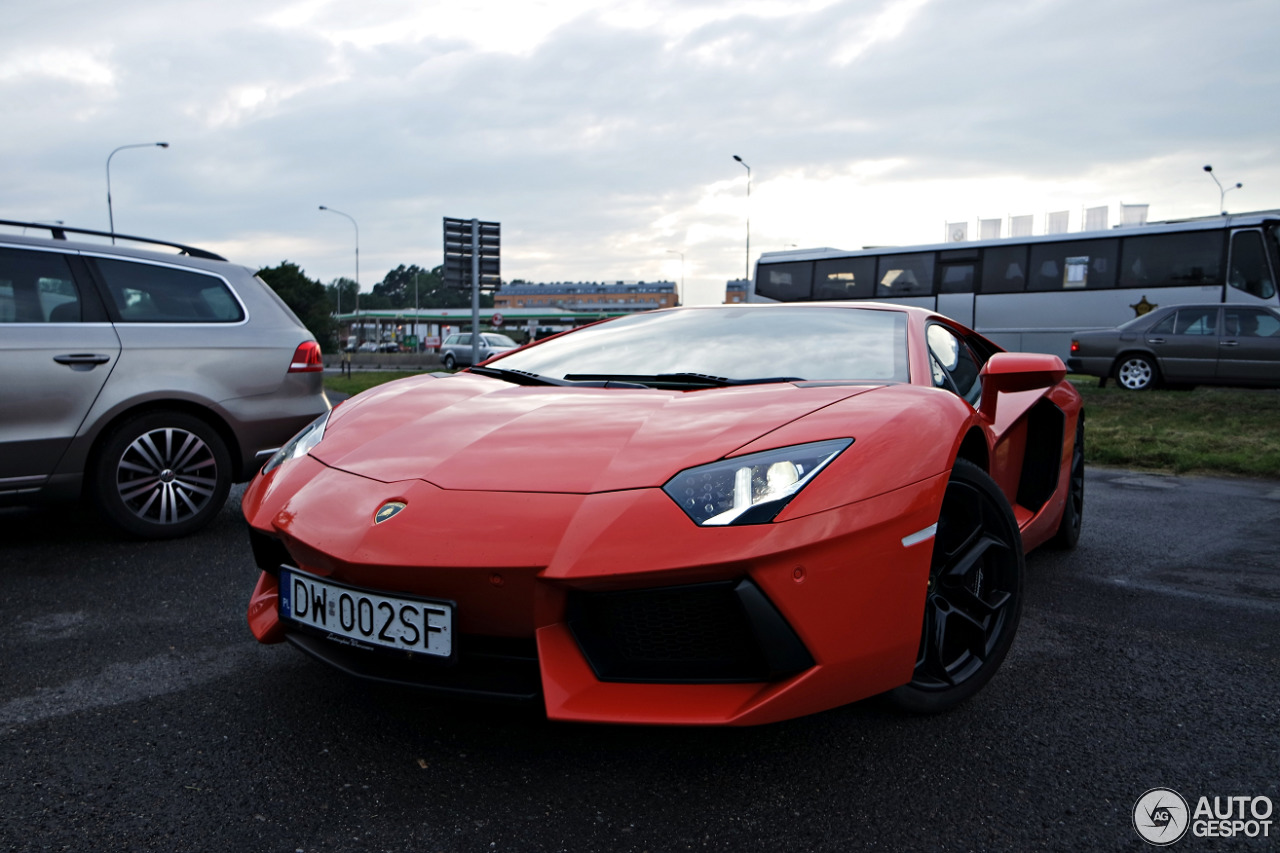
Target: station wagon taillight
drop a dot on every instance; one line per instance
(306, 358)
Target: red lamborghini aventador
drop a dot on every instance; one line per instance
(713, 515)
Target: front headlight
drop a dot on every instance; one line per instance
(750, 489)
(300, 444)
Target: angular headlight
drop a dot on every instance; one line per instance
(299, 444)
(750, 489)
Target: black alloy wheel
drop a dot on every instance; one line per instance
(162, 475)
(974, 597)
(1137, 373)
(1073, 513)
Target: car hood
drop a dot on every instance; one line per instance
(468, 432)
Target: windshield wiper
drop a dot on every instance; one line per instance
(677, 381)
(519, 377)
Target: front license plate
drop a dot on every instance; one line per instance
(367, 618)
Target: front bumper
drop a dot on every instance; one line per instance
(615, 607)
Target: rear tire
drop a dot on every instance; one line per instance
(1137, 373)
(974, 599)
(161, 475)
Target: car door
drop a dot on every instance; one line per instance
(56, 351)
(1249, 349)
(1186, 344)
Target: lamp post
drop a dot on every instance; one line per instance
(1222, 191)
(747, 266)
(681, 254)
(111, 217)
(359, 326)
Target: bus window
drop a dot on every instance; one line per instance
(906, 275)
(845, 278)
(1004, 269)
(1073, 265)
(1249, 269)
(791, 282)
(1172, 260)
(956, 278)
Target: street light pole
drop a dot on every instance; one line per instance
(747, 266)
(111, 217)
(681, 254)
(1222, 192)
(359, 326)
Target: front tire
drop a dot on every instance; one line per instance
(1137, 373)
(450, 362)
(161, 475)
(974, 598)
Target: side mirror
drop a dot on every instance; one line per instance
(1012, 372)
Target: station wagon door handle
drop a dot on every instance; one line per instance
(82, 359)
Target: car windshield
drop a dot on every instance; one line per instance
(739, 343)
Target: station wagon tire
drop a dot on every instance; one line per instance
(161, 475)
(974, 598)
(1073, 513)
(450, 362)
(1137, 373)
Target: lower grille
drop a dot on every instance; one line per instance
(727, 632)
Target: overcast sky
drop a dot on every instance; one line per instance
(601, 134)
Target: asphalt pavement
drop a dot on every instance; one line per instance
(137, 713)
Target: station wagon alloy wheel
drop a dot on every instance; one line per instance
(163, 474)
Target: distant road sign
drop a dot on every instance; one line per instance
(497, 320)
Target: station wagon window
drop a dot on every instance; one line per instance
(1250, 271)
(845, 278)
(905, 275)
(149, 293)
(1073, 265)
(37, 287)
(785, 282)
(1189, 259)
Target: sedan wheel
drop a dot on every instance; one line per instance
(974, 598)
(162, 475)
(1137, 373)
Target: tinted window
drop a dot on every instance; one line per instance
(1074, 265)
(785, 282)
(1189, 321)
(1250, 271)
(37, 287)
(954, 365)
(845, 278)
(905, 275)
(1250, 323)
(1169, 260)
(1004, 269)
(956, 278)
(147, 293)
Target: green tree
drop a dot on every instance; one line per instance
(397, 287)
(342, 295)
(306, 298)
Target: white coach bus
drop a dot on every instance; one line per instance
(1031, 293)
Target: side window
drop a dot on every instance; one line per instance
(953, 363)
(791, 282)
(1250, 323)
(905, 275)
(1172, 260)
(149, 293)
(1196, 321)
(37, 287)
(1004, 269)
(1249, 269)
(845, 278)
(1073, 265)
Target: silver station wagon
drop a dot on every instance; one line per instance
(145, 379)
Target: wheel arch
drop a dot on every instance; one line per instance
(186, 407)
(1128, 353)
